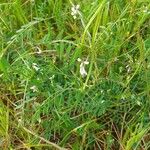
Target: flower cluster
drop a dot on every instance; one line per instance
(75, 11)
(82, 67)
(34, 88)
(35, 66)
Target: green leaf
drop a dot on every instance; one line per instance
(4, 65)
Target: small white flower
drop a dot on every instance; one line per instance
(34, 88)
(102, 101)
(20, 120)
(82, 70)
(39, 120)
(35, 66)
(52, 77)
(82, 67)
(102, 91)
(79, 60)
(75, 11)
(39, 51)
(128, 68)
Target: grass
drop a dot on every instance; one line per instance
(46, 103)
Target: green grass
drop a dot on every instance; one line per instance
(45, 103)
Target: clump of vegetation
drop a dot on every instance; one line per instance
(75, 74)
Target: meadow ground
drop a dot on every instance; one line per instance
(75, 74)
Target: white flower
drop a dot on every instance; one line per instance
(52, 77)
(102, 91)
(128, 68)
(34, 88)
(39, 51)
(39, 120)
(82, 67)
(102, 101)
(79, 60)
(75, 11)
(35, 66)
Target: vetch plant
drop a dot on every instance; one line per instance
(103, 104)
